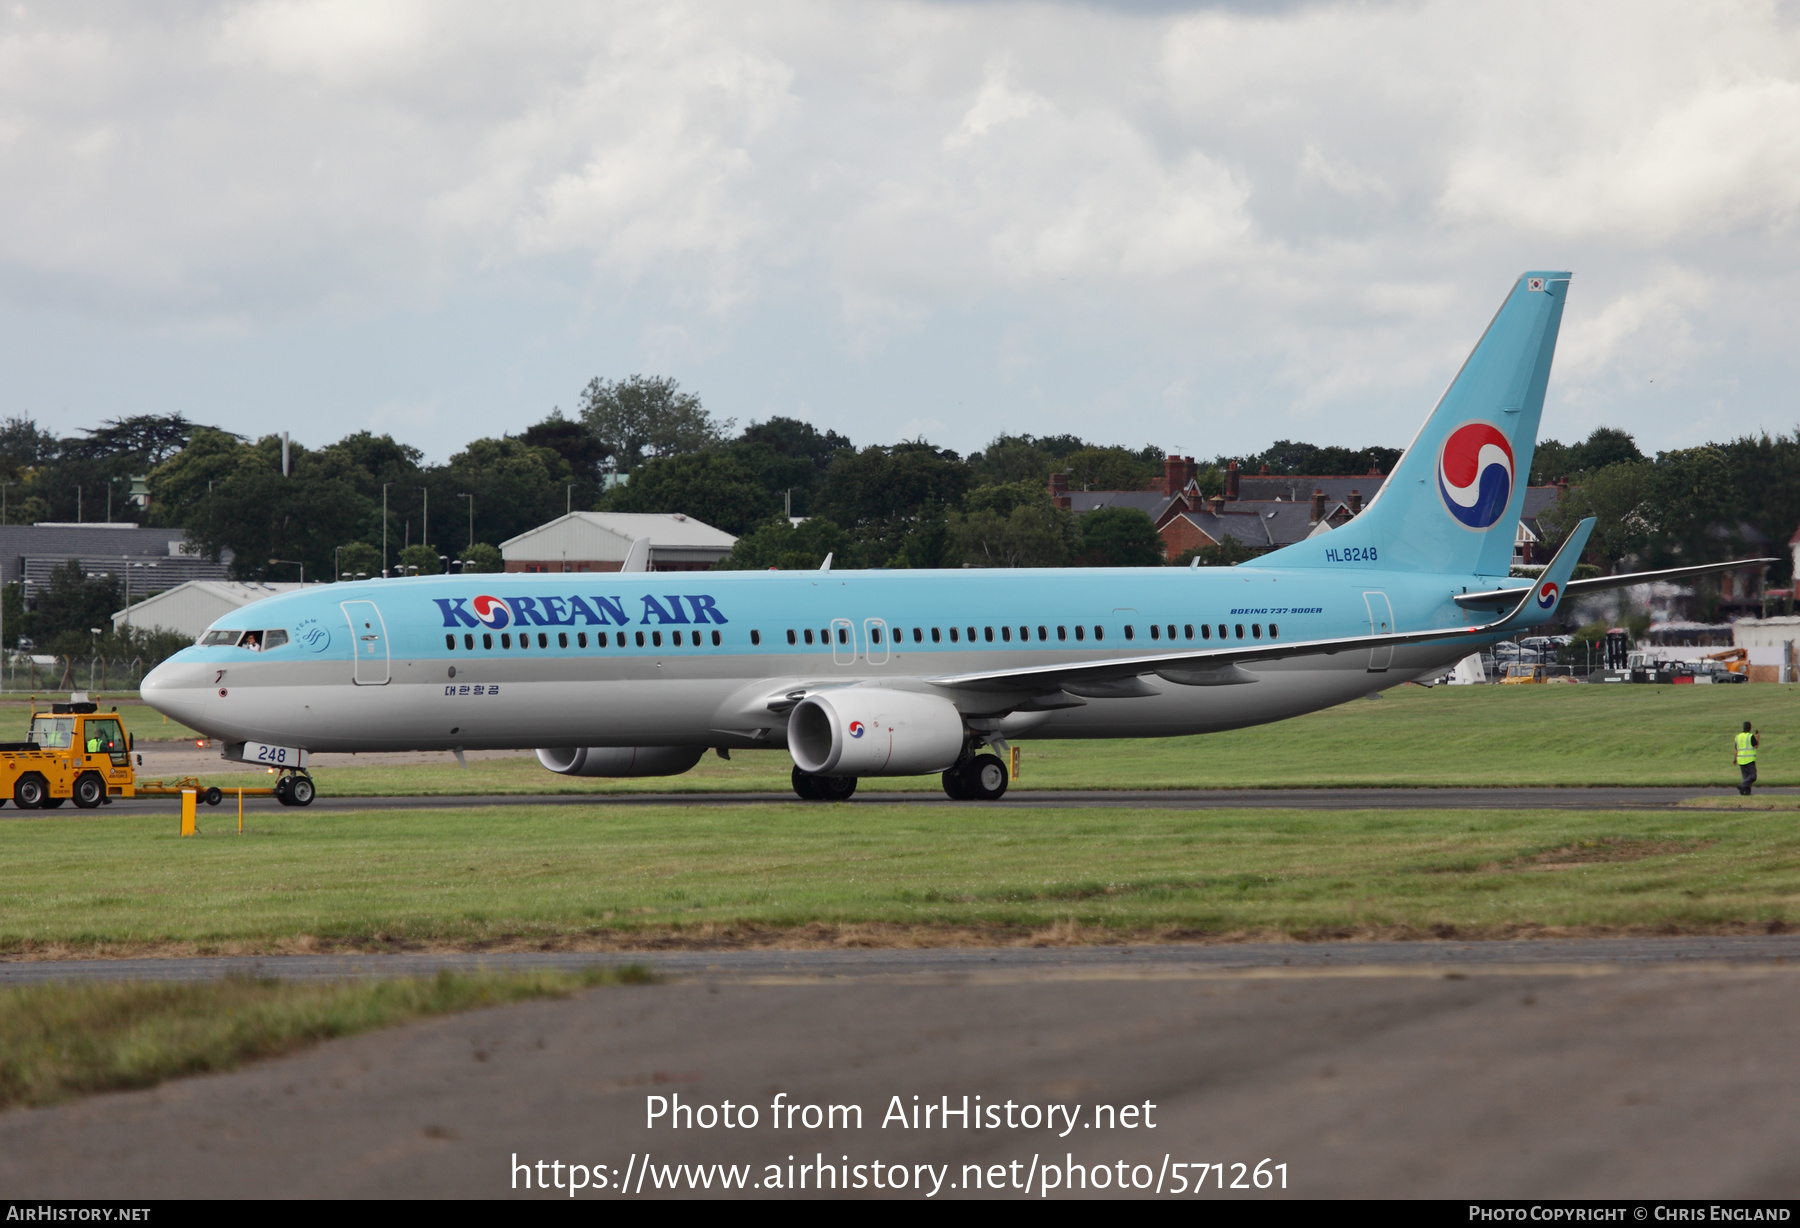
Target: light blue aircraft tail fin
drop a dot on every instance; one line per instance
(1452, 503)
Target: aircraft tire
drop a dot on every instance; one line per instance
(955, 788)
(985, 777)
(213, 796)
(89, 790)
(301, 792)
(30, 790)
(836, 788)
(806, 787)
(282, 791)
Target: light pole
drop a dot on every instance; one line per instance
(295, 563)
(128, 566)
(425, 517)
(471, 499)
(384, 567)
(3, 486)
(569, 499)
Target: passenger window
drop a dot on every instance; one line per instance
(1187, 629)
(1155, 634)
(1256, 631)
(716, 640)
(1005, 634)
(809, 635)
(1171, 630)
(919, 636)
(600, 639)
(640, 639)
(1240, 631)
(1206, 631)
(953, 635)
(678, 639)
(469, 642)
(1080, 632)
(506, 639)
(1024, 633)
(1271, 630)
(1043, 633)
(562, 639)
(544, 640)
(487, 641)
(791, 636)
(656, 639)
(937, 637)
(1223, 631)
(1129, 633)
(1099, 633)
(756, 637)
(1062, 633)
(450, 641)
(971, 631)
(581, 639)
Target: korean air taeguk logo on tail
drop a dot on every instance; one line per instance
(1475, 474)
(1546, 597)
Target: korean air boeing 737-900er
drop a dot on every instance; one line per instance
(899, 673)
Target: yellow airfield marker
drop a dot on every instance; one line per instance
(189, 798)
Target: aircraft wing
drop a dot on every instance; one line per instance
(1121, 677)
(1502, 598)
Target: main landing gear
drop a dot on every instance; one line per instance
(823, 788)
(980, 778)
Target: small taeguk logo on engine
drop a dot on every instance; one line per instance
(1546, 597)
(492, 612)
(856, 729)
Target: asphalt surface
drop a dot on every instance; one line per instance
(1598, 1069)
(1649, 798)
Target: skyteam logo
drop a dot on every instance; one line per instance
(856, 729)
(1546, 596)
(492, 612)
(1475, 474)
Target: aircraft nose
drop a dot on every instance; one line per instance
(174, 690)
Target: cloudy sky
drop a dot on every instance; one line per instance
(1202, 226)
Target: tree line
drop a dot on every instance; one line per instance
(791, 493)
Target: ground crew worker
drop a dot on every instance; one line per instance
(1745, 758)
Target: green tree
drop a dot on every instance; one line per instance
(645, 416)
(481, 557)
(711, 487)
(1120, 537)
(1618, 497)
(420, 560)
(515, 487)
(778, 545)
(1109, 469)
(74, 602)
(1033, 533)
(358, 560)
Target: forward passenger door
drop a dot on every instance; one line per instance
(368, 639)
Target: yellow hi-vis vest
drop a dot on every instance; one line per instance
(1746, 752)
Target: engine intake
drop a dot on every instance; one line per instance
(871, 731)
(620, 760)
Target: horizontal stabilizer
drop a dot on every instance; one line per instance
(1502, 598)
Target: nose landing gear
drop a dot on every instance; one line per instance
(295, 789)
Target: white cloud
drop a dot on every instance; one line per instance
(1248, 223)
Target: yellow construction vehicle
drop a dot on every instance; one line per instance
(1516, 674)
(1735, 660)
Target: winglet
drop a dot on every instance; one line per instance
(1545, 596)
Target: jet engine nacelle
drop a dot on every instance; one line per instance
(870, 731)
(621, 760)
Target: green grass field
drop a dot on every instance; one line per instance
(59, 1041)
(1443, 736)
(629, 875)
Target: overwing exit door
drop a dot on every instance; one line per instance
(368, 637)
(1381, 622)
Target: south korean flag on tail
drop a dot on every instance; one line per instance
(1534, 283)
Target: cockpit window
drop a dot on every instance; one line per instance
(255, 641)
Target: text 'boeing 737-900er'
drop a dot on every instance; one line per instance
(899, 673)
